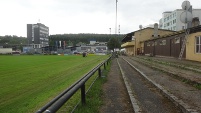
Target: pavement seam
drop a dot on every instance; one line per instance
(133, 100)
(178, 102)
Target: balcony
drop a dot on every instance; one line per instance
(128, 44)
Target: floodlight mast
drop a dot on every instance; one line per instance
(116, 19)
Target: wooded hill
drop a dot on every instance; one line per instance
(12, 40)
(73, 39)
(70, 39)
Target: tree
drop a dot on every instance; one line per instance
(113, 43)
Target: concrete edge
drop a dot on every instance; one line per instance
(133, 100)
(178, 102)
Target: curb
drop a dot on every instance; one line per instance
(136, 107)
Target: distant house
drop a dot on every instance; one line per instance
(93, 47)
(5, 50)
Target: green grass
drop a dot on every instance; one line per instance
(29, 82)
(94, 96)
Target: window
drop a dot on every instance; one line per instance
(148, 44)
(177, 40)
(162, 42)
(198, 44)
(155, 43)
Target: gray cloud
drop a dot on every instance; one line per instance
(82, 16)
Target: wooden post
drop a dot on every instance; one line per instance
(99, 71)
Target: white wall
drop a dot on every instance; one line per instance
(5, 50)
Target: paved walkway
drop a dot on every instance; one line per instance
(116, 99)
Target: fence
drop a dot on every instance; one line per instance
(62, 98)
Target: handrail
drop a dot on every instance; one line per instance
(63, 97)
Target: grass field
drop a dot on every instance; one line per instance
(28, 82)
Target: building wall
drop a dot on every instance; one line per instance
(190, 48)
(169, 46)
(171, 20)
(143, 35)
(38, 34)
(130, 51)
(29, 33)
(5, 50)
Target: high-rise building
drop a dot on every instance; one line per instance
(171, 19)
(37, 35)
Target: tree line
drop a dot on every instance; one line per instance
(12, 40)
(73, 39)
(70, 39)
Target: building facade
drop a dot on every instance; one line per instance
(38, 35)
(171, 19)
(134, 42)
(170, 45)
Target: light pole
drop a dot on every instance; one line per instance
(116, 19)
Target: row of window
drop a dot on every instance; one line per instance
(162, 42)
(170, 23)
(170, 17)
(172, 28)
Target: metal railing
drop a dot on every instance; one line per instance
(62, 98)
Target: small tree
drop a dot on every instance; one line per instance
(113, 43)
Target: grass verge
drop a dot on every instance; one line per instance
(94, 96)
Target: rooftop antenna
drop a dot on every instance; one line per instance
(140, 26)
(119, 29)
(186, 18)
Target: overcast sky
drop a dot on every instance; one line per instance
(83, 16)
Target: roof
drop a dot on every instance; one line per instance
(128, 37)
(192, 30)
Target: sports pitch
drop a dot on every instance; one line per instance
(29, 82)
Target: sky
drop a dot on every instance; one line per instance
(83, 16)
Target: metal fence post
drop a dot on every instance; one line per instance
(99, 71)
(83, 94)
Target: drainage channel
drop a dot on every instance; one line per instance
(145, 97)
